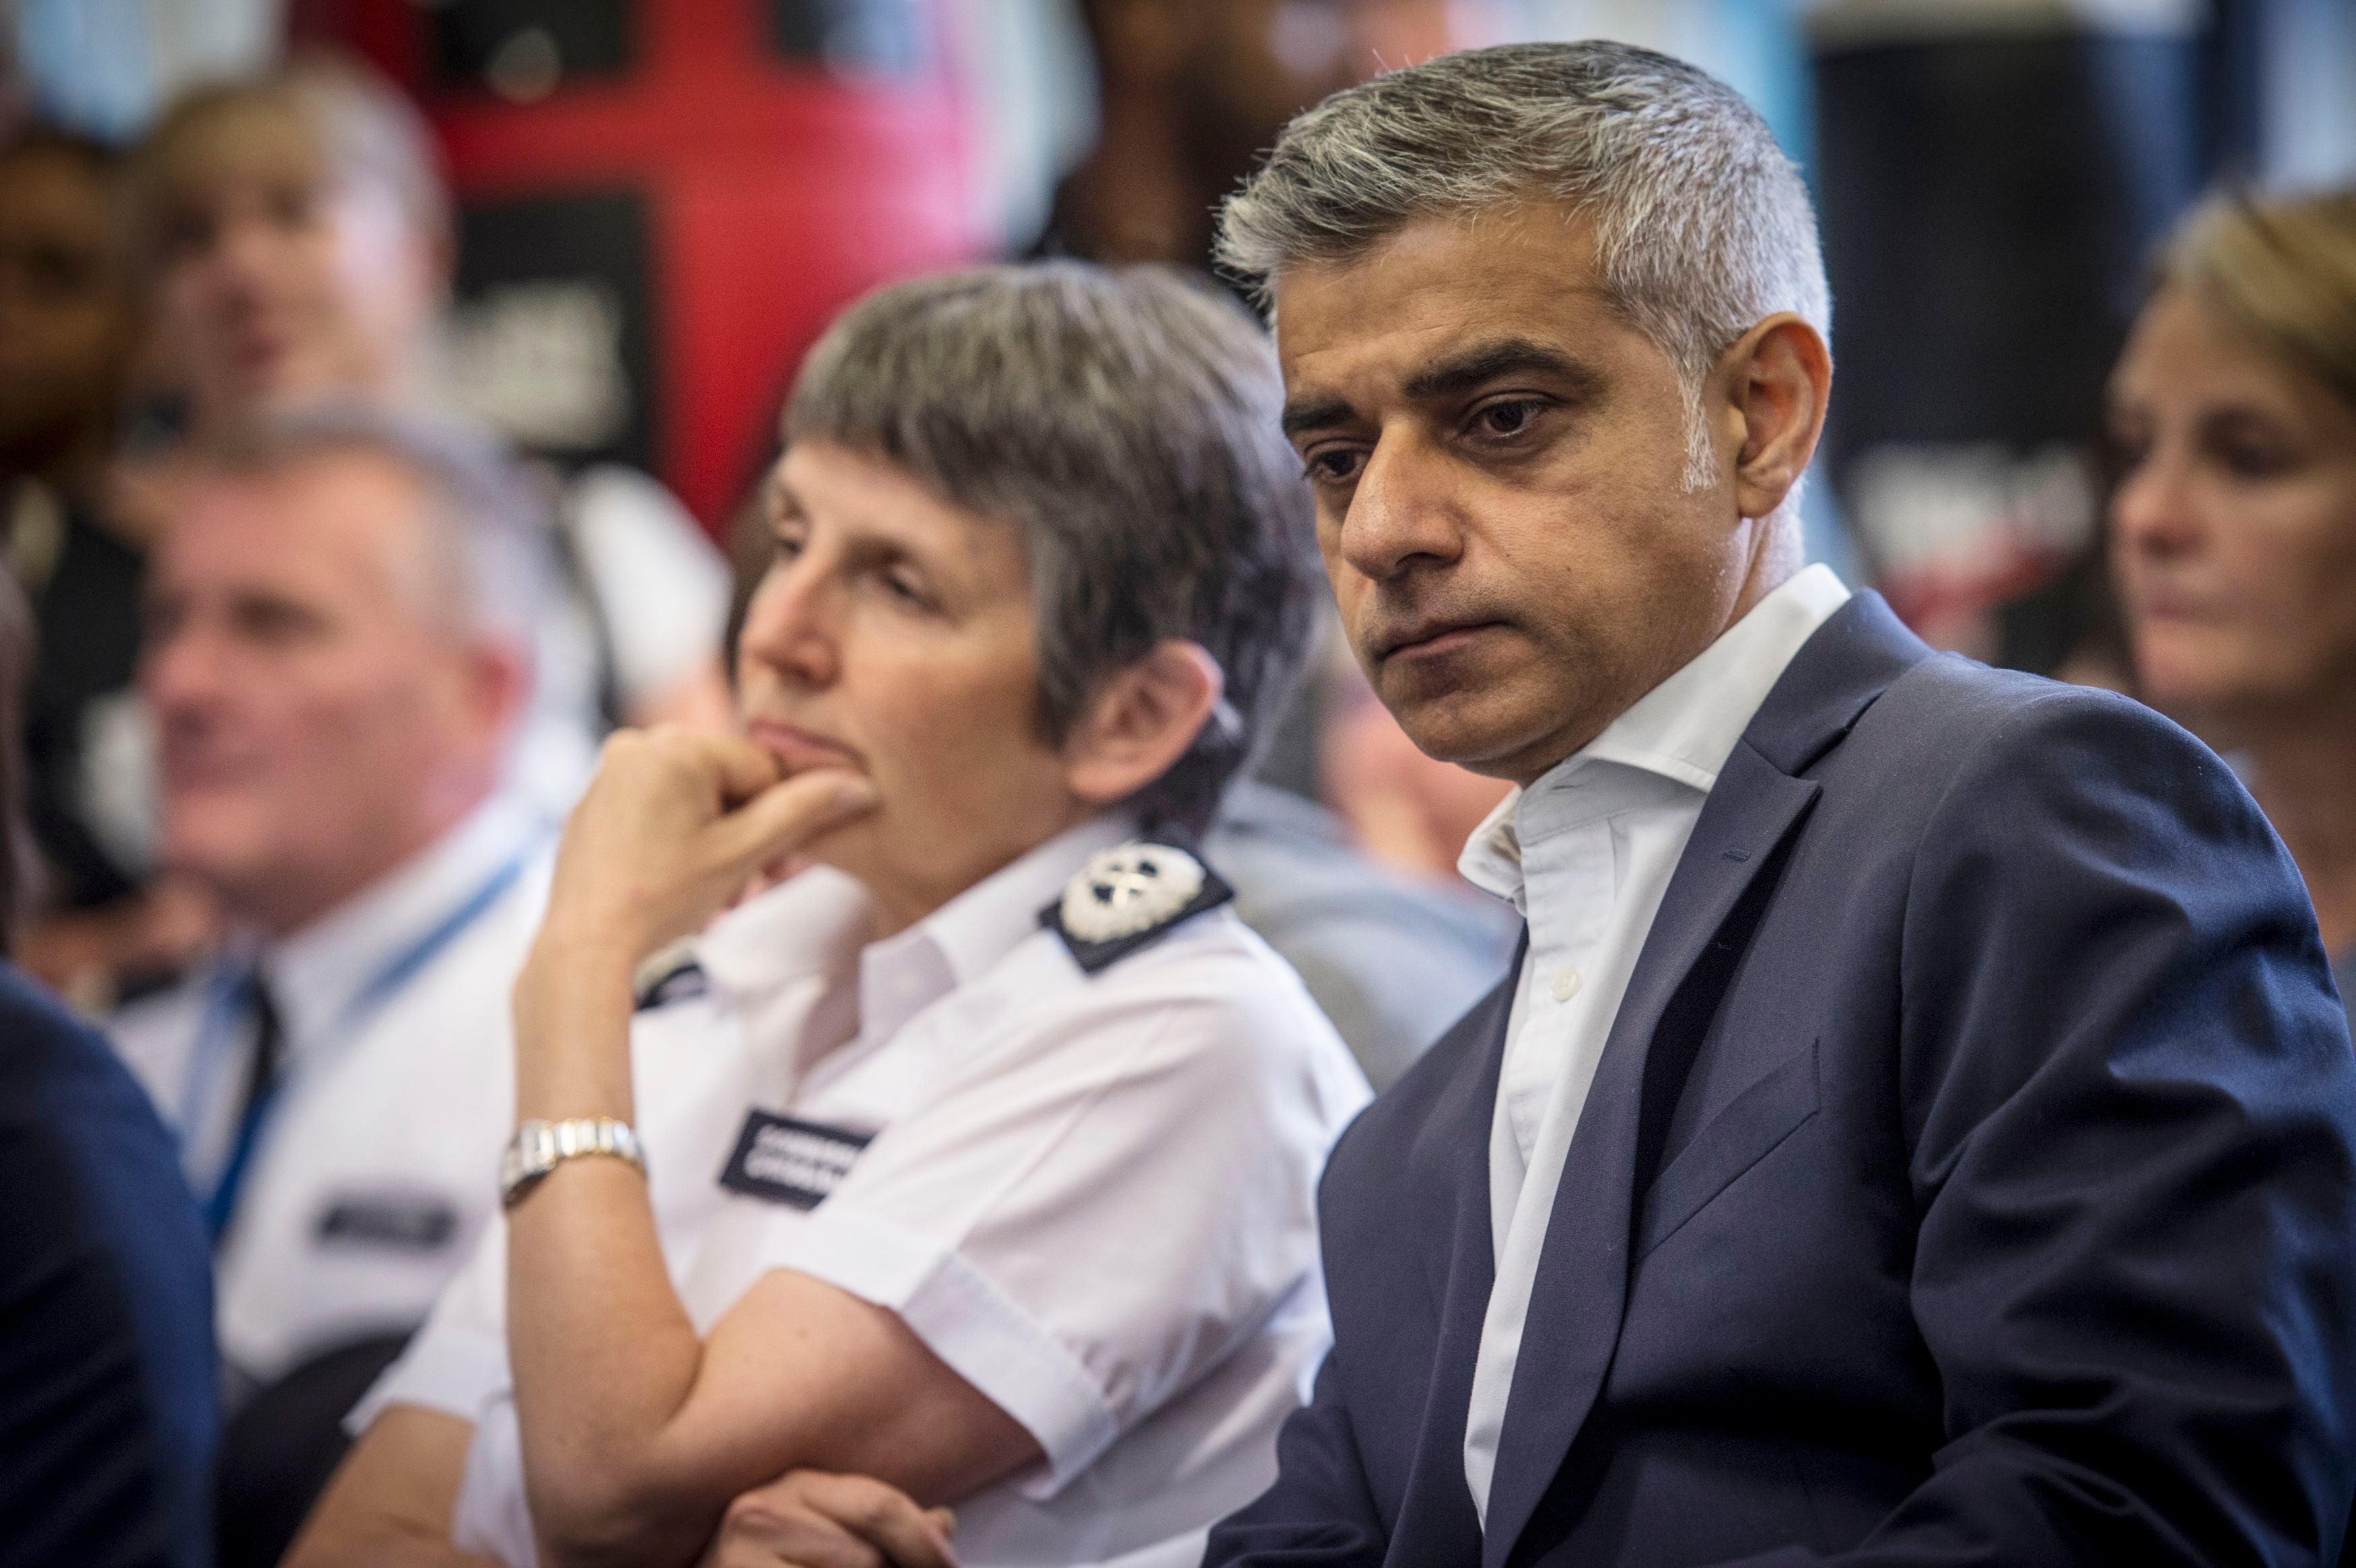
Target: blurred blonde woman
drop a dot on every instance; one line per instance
(2234, 530)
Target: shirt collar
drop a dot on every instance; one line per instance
(318, 972)
(959, 941)
(1683, 729)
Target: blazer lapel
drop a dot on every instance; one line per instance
(1582, 1282)
(1451, 1158)
(1681, 973)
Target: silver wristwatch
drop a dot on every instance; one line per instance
(539, 1148)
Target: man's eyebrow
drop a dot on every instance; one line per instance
(1321, 414)
(1470, 369)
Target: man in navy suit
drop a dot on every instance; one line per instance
(1919, 1127)
(109, 1390)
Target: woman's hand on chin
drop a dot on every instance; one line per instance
(808, 1519)
(672, 826)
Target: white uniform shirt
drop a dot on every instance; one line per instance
(1586, 853)
(1092, 1196)
(376, 1167)
(648, 596)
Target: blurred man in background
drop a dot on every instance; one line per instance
(300, 248)
(1191, 93)
(338, 655)
(108, 1397)
(67, 326)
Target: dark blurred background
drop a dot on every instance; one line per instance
(663, 199)
(661, 202)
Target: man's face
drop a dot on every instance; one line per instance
(320, 720)
(894, 636)
(1497, 459)
(279, 284)
(65, 316)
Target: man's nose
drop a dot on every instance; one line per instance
(183, 672)
(1402, 512)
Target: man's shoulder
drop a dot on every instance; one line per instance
(1956, 734)
(51, 1051)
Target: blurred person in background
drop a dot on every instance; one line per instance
(1390, 942)
(2233, 412)
(1192, 92)
(68, 327)
(338, 652)
(1027, 1125)
(299, 245)
(109, 1390)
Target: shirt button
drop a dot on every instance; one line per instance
(1566, 985)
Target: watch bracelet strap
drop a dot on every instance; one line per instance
(539, 1146)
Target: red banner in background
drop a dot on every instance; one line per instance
(662, 202)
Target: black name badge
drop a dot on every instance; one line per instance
(413, 1224)
(787, 1162)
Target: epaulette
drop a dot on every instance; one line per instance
(1126, 897)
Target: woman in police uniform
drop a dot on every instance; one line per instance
(978, 1156)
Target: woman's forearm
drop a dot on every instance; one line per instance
(604, 1354)
(390, 1503)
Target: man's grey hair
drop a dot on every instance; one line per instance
(1702, 225)
(1125, 423)
(489, 520)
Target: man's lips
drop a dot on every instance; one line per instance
(800, 749)
(1432, 639)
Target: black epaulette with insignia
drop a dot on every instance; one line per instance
(672, 974)
(1127, 897)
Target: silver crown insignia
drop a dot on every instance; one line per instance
(1133, 888)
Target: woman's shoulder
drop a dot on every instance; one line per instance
(1209, 992)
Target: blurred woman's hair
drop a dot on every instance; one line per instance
(332, 110)
(2282, 270)
(1125, 423)
(17, 874)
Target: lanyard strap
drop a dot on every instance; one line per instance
(220, 1203)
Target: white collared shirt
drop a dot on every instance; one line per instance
(1093, 1196)
(1586, 853)
(373, 1173)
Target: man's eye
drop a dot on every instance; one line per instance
(1509, 418)
(907, 591)
(1338, 466)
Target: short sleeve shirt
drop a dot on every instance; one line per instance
(1091, 1195)
(375, 1172)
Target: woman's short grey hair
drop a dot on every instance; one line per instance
(1125, 423)
(489, 519)
(1703, 227)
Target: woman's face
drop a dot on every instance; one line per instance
(277, 284)
(894, 634)
(2233, 527)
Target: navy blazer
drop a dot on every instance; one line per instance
(1969, 1178)
(109, 1389)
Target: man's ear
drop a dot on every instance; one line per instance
(1780, 376)
(1141, 721)
(497, 676)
